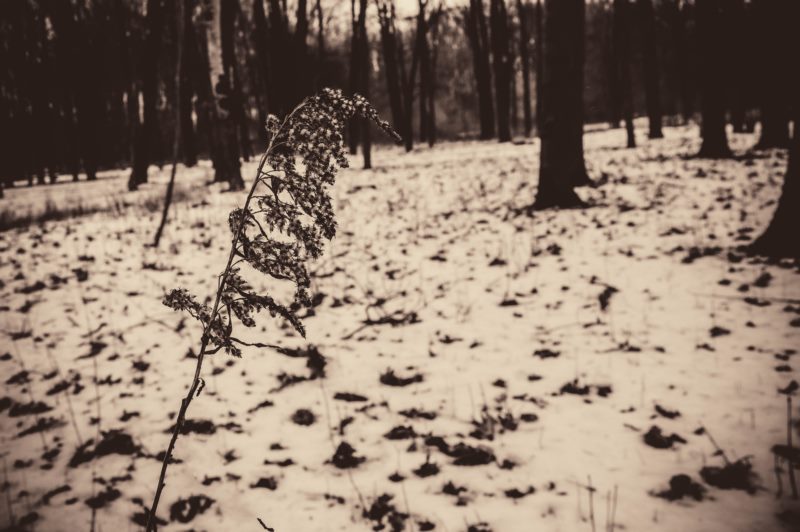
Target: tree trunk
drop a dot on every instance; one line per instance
(712, 78)
(364, 68)
(780, 237)
(475, 26)
(558, 168)
(176, 150)
(433, 28)
(148, 67)
(400, 81)
(539, 43)
(611, 67)
(230, 64)
(775, 26)
(502, 63)
(227, 167)
(651, 68)
(424, 70)
(524, 14)
(355, 64)
(622, 40)
(390, 66)
(679, 12)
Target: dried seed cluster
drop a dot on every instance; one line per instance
(284, 224)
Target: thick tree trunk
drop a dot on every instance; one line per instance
(780, 237)
(712, 79)
(148, 67)
(651, 68)
(775, 27)
(558, 168)
(227, 166)
(502, 63)
(679, 13)
(622, 40)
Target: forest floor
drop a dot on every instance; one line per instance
(486, 370)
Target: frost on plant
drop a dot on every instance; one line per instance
(285, 220)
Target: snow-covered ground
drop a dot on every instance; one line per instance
(484, 366)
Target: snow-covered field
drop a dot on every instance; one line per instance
(471, 367)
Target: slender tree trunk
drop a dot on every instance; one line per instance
(355, 76)
(502, 63)
(364, 68)
(399, 80)
(176, 150)
(558, 169)
(622, 38)
(433, 27)
(524, 14)
(611, 67)
(712, 78)
(651, 68)
(539, 43)
(475, 26)
(424, 70)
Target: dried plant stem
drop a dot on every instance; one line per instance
(790, 462)
(196, 380)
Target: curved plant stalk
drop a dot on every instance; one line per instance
(312, 131)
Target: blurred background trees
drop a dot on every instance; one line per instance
(88, 85)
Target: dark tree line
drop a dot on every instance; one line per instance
(113, 105)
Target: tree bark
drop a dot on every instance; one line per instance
(227, 167)
(539, 43)
(622, 40)
(780, 237)
(563, 59)
(712, 78)
(363, 74)
(176, 150)
(524, 15)
(355, 65)
(651, 68)
(679, 13)
(502, 63)
(774, 28)
(148, 68)
(475, 26)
